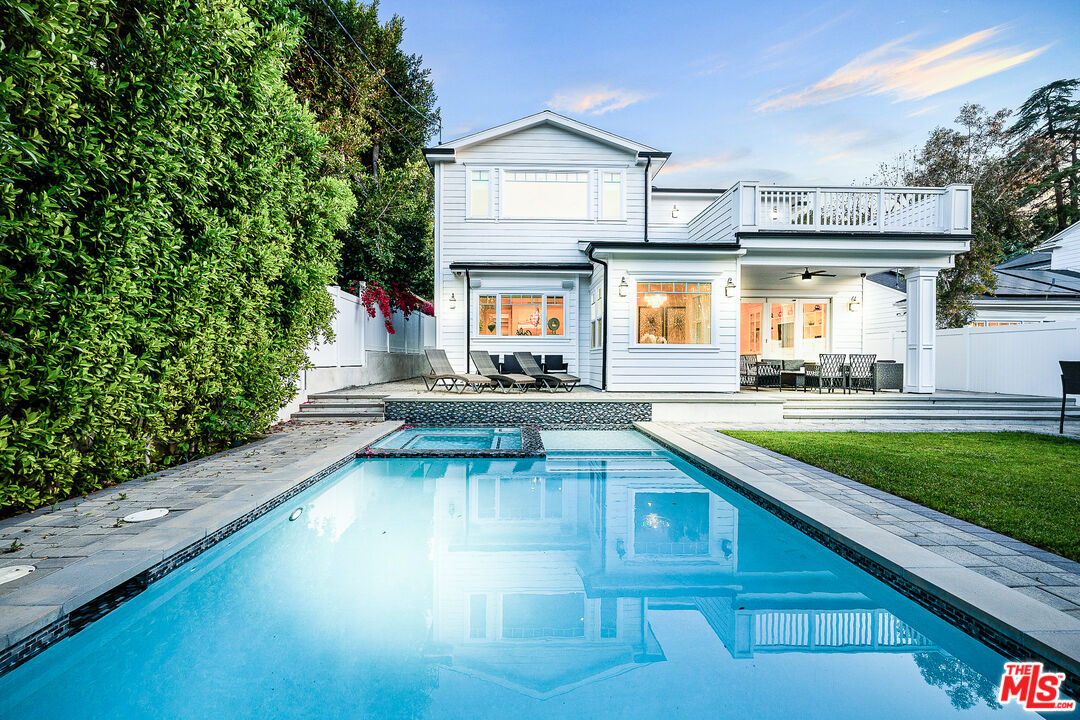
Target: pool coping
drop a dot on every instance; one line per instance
(531, 446)
(60, 604)
(1010, 622)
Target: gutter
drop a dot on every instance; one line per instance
(603, 340)
(468, 320)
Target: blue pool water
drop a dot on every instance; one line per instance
(453, 438)
(581, 585)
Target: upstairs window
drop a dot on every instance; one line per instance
(540, 195)
(480, 193)
(611, 196)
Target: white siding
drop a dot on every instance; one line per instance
(1066, 256)
(663, 227)
(657, 368)
(462, 239)
(717, 221)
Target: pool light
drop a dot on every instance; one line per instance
(295, 514)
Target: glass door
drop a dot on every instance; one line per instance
(782, 331)
(814, 333)
(751, 328)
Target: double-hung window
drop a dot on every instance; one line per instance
(527, 315)
(596, 316)
(545, 195)
(479, 193)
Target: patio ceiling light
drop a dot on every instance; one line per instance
(453, 301)
(623, 287)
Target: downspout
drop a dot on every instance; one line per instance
(603, 340)
(468, 320)
(648, 164)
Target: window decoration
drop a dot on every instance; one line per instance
(674, 313)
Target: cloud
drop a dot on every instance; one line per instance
(711, 161)
(709, 65)
(595, 100)
(908, 73)
(923, 110)
(839, 143)
(785, 46)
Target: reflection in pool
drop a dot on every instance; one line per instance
(580, 585)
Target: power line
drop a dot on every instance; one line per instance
(376, 69)
(349, 85)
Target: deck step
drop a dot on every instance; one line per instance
(341, 405)
(357, 404)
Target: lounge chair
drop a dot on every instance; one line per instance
(1070, 385)
(545, 381)
(505, 381)
(442, 373)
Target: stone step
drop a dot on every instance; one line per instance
(346, 395)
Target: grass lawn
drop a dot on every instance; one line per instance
(1023, 485)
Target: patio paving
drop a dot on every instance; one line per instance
(57, 536)
(1044, 576)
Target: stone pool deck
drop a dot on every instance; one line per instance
(81, 551)
(1029, 595)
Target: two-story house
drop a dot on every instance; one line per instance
(552, 237)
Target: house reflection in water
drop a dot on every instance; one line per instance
(546, 573)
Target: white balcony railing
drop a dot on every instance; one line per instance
(751, 206)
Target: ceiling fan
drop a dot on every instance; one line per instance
(807, 275)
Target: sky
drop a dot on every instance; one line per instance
(781, 92)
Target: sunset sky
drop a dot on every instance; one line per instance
(777, 91)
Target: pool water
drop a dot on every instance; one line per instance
(452, 438)
(587, 584)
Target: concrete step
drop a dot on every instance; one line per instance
(336, 415)
(1033, 416)
(346, 395)
(358, 404)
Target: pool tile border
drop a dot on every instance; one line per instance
(54, 624)
(936, 584)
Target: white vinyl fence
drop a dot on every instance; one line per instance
(363, 352)
(1013, 359)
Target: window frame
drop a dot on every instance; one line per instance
(621, 172)
(714, 285)
(492, 175)
(590, 205)
(596, 316)
(565, 294)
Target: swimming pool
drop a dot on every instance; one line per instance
(452, 438)
(583, 584)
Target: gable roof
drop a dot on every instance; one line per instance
(445, 151)
(1052, 243)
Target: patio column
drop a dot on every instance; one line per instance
(921, 326)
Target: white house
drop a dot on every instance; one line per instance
(550, 237)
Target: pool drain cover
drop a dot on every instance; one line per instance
(144, 515)
(14, 572)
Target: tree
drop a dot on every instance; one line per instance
(1046, 134)
(168, 235)
(376, 129)
(974, 153)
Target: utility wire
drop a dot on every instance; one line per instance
(376, 69)
(349, 85)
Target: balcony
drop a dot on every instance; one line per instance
(753, 207)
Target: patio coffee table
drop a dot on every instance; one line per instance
(798, 379)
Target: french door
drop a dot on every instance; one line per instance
(784, 328)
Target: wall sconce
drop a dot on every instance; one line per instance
(729, 288)
(623, 287)
(853, 306)
(774, 213)
(674, 211)
(453, 301)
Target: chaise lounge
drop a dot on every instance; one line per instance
(442, 373)
(505, 381)
(545, 381)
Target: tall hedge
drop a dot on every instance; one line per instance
(165, 239)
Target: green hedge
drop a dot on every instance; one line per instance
(165, 239)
